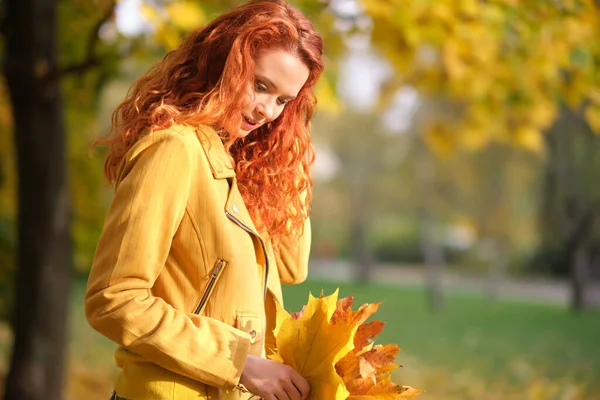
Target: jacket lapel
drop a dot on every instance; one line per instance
(222, 168)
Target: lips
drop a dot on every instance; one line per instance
(249, 124)
(250, 121)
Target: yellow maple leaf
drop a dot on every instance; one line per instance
(312, 345)
(331, 346)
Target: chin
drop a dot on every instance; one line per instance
(243, 133)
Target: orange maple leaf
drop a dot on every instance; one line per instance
(366, 332)
(366, 370)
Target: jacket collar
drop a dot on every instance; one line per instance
(221, 165)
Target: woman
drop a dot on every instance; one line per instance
(210, 158)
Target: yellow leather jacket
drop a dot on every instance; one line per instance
(180, 280)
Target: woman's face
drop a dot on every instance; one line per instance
(278, 78)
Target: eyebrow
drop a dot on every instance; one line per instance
(273, 85)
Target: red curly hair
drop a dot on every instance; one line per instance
(205, 81)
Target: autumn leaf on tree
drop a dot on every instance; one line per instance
(331, 346)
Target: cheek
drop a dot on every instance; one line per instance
(249, 99)
(278, 112)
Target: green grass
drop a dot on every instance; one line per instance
(508, 341)
(471, 350)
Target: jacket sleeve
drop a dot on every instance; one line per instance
(147, 208)
(291, 256)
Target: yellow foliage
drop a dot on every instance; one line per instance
(542, 113)
(529, 138)
(592, 116)
(440, 139)
(442, 11)
(167, 36)
(453, 60)
(151, 13)
(472, 137)
(327, 99)
(469, 8)
(186, 15)
(312, 346)
(330, 346)
(172, 21)
(165, 33)
(520, 58)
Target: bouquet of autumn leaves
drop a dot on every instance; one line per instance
(330, 346)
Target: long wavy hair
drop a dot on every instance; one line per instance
(206, 80)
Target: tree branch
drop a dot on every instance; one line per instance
(75, 69)
(91, 59)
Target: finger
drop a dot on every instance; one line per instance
(282, 394)
(302, 385)
(292, 391)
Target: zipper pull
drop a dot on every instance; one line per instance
(218, 268)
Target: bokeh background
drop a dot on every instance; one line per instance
(456, 182)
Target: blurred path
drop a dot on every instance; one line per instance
(538, 289)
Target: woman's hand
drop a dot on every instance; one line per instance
(272, 380)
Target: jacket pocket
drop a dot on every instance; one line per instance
(214, 277)
(253, 325)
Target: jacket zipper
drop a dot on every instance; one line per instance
(262, 243)
(211, 283)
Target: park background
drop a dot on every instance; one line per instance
(458, 156)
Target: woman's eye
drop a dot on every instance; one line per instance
(281, 102)
(260, 87)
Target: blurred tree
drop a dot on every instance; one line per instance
(366, 173)
(569, 206)
(475, 208)
(491, 204)
(43, 248)
(39, 56)
(8, 198)
(507, 66)
(433, 255)
(495, 201)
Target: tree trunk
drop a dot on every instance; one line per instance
(580, 278)
(432, 253)
(434, 264)
(497, 271)
(569, 211)
(360, 249)
(359, 224)
(43, 243)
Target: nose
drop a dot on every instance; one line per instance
(266, 109)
